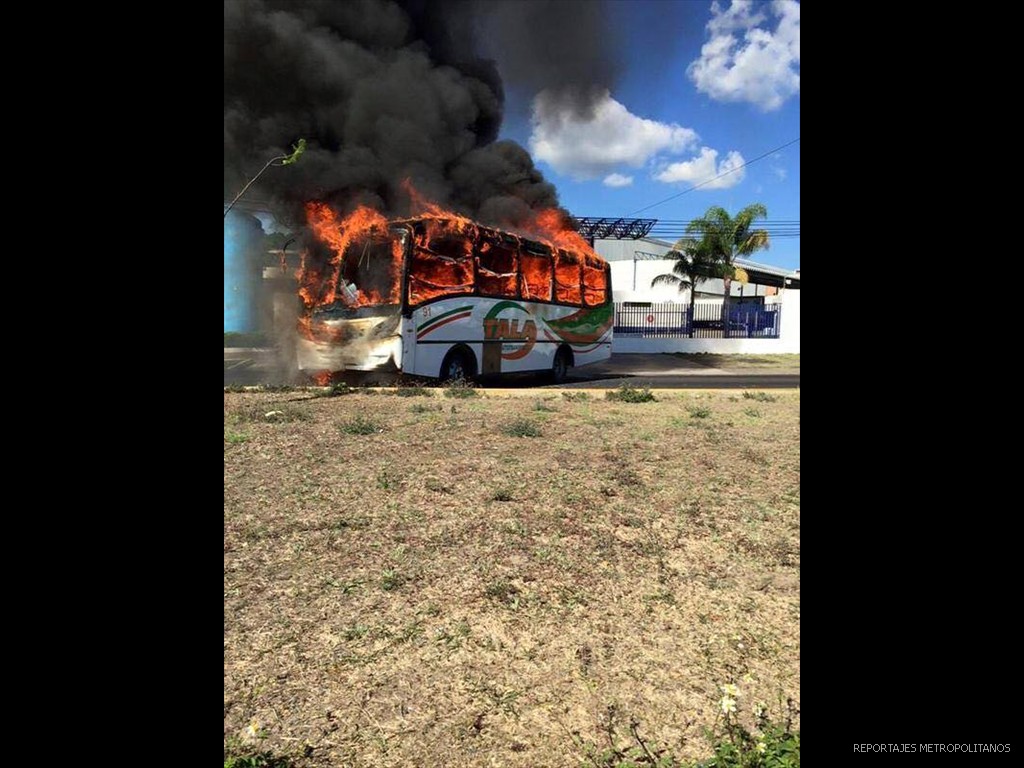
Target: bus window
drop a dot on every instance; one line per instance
(535, 271)
(432, 276)
(595, 282)
(447, 242)
(567, 278)
(496, 267)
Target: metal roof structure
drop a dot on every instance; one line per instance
(762, 274)
(617, 229)
(768, 269)
(766, 274)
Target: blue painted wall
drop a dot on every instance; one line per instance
(243, 236)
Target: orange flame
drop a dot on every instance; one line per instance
(442, 258)
(422, 208)
(550, 226)
(319, 286)
(419, 205)
(322, 378)
(546, 225)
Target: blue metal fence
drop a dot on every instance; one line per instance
(650, 320)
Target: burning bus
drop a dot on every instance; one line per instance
(442, 296)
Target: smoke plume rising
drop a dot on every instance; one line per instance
(384, 90)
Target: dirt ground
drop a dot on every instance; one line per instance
(419, 581)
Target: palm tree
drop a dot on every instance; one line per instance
(693, 266)
(723, 239)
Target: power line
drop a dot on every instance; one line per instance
(681, 228)
(673, 235)
(684, 225)
(761, 222)
(770, 230)
(713, 178)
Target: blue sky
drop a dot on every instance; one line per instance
(704, 87)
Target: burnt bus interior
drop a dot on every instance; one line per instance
(441, 259)
(446, 261)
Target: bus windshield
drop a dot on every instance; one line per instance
(371, 270)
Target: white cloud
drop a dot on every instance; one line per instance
(702, 168)
(763, 67)
(779, 172)
(586, 146)
(617, 180)
(737, 16)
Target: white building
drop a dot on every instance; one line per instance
(635, 263)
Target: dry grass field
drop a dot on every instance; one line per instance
(489, 581)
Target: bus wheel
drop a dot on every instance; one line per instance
(560, 368)
(458, 366)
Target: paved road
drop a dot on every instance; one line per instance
(259, 366)
(246, 367)
(671, 372)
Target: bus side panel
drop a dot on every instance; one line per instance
(530, 333)
(435, 328)
(506, 336)
(408, 332)
(532, 354)
(515, 331)
(588, 354)
(586, 330)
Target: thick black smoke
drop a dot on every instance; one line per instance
(566, 48)
(384, 90)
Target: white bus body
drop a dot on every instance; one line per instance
(501, 304)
